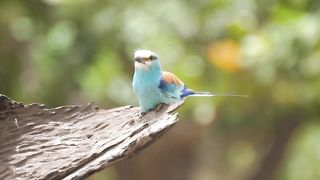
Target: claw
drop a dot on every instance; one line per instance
(142, 114)
(159, 107)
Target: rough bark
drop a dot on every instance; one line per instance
(72, 142)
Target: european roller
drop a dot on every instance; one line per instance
(155, 87)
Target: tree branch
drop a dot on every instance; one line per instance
(72, 142)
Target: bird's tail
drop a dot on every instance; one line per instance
(216, 94)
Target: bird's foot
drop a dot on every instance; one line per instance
(159, 107)
(142, 114)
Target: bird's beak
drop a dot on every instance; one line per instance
(139, 59)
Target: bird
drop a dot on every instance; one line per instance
(155, 87)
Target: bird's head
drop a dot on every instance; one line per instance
(145, 59)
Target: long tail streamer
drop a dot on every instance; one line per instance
(217, 94)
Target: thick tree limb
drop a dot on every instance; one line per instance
(72, 142)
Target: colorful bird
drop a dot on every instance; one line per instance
(155, 87)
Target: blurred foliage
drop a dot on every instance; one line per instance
(74, 51)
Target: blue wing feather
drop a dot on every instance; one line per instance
(168, 90)
(162, 84)
(186, 92)
(172, 87)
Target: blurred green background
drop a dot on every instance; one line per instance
(76, 51)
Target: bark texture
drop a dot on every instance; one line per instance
(72, 142)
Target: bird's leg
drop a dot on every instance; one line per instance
(159, 107)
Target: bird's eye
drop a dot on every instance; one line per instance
(153, 57)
